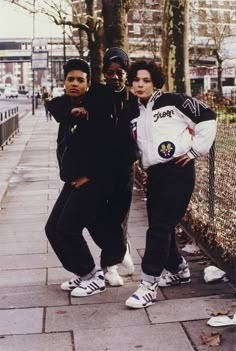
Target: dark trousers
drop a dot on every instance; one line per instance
(74, 210)
(116, 218)
(169, 190)
(47, 112)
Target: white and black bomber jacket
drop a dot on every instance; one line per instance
(169, 126)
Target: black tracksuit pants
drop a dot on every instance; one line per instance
(169, 190)
(74, 210)
(116, 219)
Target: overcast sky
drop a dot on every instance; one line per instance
(16, 23)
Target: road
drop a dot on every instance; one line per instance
(24, 104)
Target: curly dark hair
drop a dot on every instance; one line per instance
(152, 67)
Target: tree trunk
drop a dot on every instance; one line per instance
(186, 76)
(113, 31)
(115, 22)
(95, 42)
(175, 46)
(219, 72)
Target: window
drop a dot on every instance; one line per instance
(149, 15)
(136, 15)
(137, 29)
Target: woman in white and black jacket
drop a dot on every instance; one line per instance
(171, 130)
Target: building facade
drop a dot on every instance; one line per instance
(212, 34)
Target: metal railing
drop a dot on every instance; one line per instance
(9, 125)
(210, 218)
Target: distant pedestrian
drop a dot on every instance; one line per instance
(46, 98)
(37, 99)
(171, 131)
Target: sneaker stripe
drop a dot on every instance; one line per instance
(93, 286)
(144, 296)
(150, 296)
(75, 282)
(175, 280)
(89, 287)
(147, 297)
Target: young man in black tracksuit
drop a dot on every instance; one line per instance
(106, 102)
(85, 155)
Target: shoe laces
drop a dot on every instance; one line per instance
(145, 286)
(83, 284)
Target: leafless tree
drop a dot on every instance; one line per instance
(175, 45)
(101, 31)
(216, 27)
(148, 17)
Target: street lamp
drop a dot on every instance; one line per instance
(33, 104)
(64, 41)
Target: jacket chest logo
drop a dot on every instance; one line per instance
(166, 149)
(167, 113)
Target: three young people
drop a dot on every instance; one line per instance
(170, 131)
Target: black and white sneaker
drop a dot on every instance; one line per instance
(71, 284)
(144, 296)
(182, 276)
(94, 285)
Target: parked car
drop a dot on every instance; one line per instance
(58, 91)
(11, 93)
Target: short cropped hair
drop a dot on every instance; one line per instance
(77, 64)
(152, 67)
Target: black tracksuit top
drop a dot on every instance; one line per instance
(88, 147)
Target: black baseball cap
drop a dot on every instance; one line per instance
(117, 55)
(77, 64)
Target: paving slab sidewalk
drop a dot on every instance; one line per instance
(36, 315)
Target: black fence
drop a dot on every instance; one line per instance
(9, 125)
(211, 216)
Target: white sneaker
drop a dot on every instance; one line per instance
(71, 284)
(144, 296)
(182, 276)
(127, 262)
(92, 286)
(112, 276)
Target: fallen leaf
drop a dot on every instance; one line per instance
(211, 340)
(221, 312)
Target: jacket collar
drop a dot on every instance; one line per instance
(155, 95)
